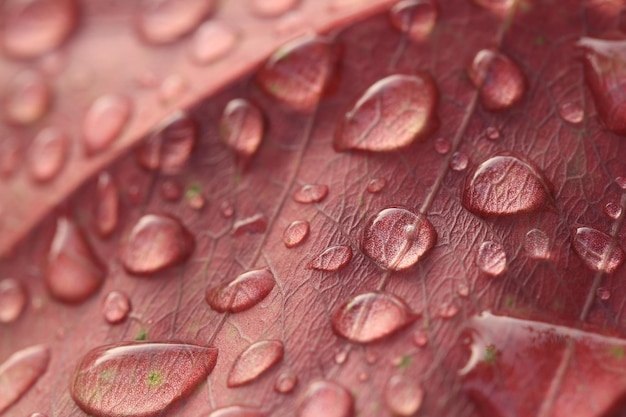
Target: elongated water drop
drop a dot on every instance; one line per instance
(376, 185)
(211, 41)
(107, 205)
(572, 112)
(20, 372)
(491, 258)
(285, 383)
(243, 293)
(326, 398)
(416, 18)
(47, 154)
(164, 21)
(272, 8)
(115, 307)
(403, 395)
(333, 258)
(255, 361)
(27, 98)
(257, 223)
(13, 299)
(597, 250)
(104, 121)
(241, 127)
(237, 411)
(296, 233)
(536, 244)
(310, 193)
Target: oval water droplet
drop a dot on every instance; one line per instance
(47, 154)
(416, 18)
(491, 258)
(499, 7)
(171, 190)
(38, 415)
(376, 185)
(296, 233)
(255, 224)
(164, 21)
(492, 133)
(211, 41)
(227, 209)
(259, 358)
(74, 273)
(138, 378)
(621, 182)
(613, 210)
(242, 127)
(397, 239)
(572, 112)
(442, 146)
(403, 395)
(155, 243)
(243, 293)
(172, 88)
(27, 98)
(341, 356)
(462, 289)
(326, 398)
(372, 316)
(597, 250)
(500, 81)
(448, 309)
(391, 114)
(107, 205)
(237, 411)
(285, 383)
(298, 73)
(115, 307)
(603, 293)
(20, 372)
(332, 259)
(272, 8)
(13, 300)
(459, 161)
(310, 193)
(420, 339)
(537, 244)
(503, 185)
(104, 121)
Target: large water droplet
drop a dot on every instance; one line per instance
(107, 205)
(296, 233)
(505, 184)
(403, 395)
(212, 41)
(156, 242)
(326, 398)
(47, 154)
(164, 21)
(372, 316)
(332, 259)
(257, 223)
(27, 98)
(310, 193)
(285, 383)
(139, 379)
(491, 258)
(237, 411)
(298, 73)
(74, 273)
(416, 18)
(597, 250)
(13, 299)
(241, 127)
(537, 243)
(613, 210)
(272, 8)
(243, 293)
(104, 121)
(115, 307)
(392, 113)
(499, 80)
(572, 112)
(255, 361)
(20, 372)
(397, 239)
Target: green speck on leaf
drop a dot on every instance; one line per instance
(618, 352)
(155, 379)
(540, 40)
(142, 334)
(509, 301)
(491, 355)
(404, 362)
(194, 190)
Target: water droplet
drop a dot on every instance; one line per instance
(403, 395)
(115, 307)
(603, 293)
(27, 98)
(363, 376)
(164, 21)
(376, 185)
(272, 8)
(448, 309)
(226, 209)
(255, 361)
(442, 146)
(462, 289)
(420, 338)
(416, 18)
(572, 112)
(104, 121)
(499, 7)
(172, 88)
(138, 378)
(211, 41)
(503, 185)
(74, 273)
(34, 27)
(47, 154)
(310, 193)
(13, 300)
(243, 293)
(391, 114)
(285, 383)
(171, 190)
(332, 259)
(107, 205)
(621, 182)
(298, 73)
(371, 357)
(613, 210)
(536, 244)
(499, 80)
(20, 372)
(194, 198)
(459, 161)
(341, 356)
(237, 411)
(241, 127)
(597, 250)
(491, 258)
(326, 398)
(254, 224)
(492, 133)
(372, 316)
(38, 415)
(387, 242)
(155, 243)
(296, 233)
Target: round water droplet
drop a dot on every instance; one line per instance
(536, 244)
(155, 243)
(491, 258)
(332, 259)
(226, 209)
(420, 339)
(376, 185)
(115, 307)
(27, 98)
(242, 127)
(164, 21)
(371, 357)
(448, 310)
(211, 41)
(386, 242)
(403, 395)
(326, 398)
(298, 73)
(310, 193)
(603, 293)
(442, 146)
(74, 273)
(243, 293)
(171, 190)
(462, 289)
(597, 250)
(104, 121)
(237, 411)
(296, 233)
(499, 7)
(20, 372)
(459, 161)
(47, 154)
(138, 378)
(572, 112)
(372, 316)
(613, 210)
(107, 205)
(272, 8)
(255, 361)
(503, 185)
(13, 300)
(285, 383)
(391, 114)
(492, 133)
(363, 376)
(257, 223)
(172, 88)
(32, 27)
(195, 200)
(416, 18)
(499, 80)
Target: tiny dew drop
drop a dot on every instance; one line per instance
(115, 307)
(212, 41)
(403, 395)
(310, 193)
(107, 205)
(492, 133)
(13, 299)
(416, 18)
(572, 112)
(242, 127)
(296, 233)
(47, 154)
(243, 293)
(597, 250)
(442, 146)
(272, 8)
(104, 121)
(27, 99)
(285, 383)
(38, 415)
(376, 185)
(237, 411)
(164, 21)
(448, 309)
(420, 338)
(341, 357)
(172, 88)
(536, 244)
(227, 209)
(613, 210)
(603, 293)
(194, 197)
(333, 258)
(462, 289)
(326, 398)
(171, 190)
(20, 372)
(459, 161)
(256, 360)
(491, 258)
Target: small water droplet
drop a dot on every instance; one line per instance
(500, 81)
(237, 411)
(107, 205)
(462, 289)
(386, 242)
(115, 307)
(195, 199)
(310, 193)
(593, 247)
(27, 98)
(448, 309)
(333, 258)
(20, 372)
(272, 8)
(499, 7)
(621, 182)
(376, 185)
(136, 379)
(442, 146)
(296, 233)
(403, 395)
(371, 316)
(13, 300)
(492, 133)
(38, 415)
(613, 210)
(257, 223)
(104, 121)
(47, 154)
(211, 41)
(285, 383)
(391, 114)
(242, 127)
(363, 376)
(491, 258)
(416, 18)
(74, 273)
(603, 293)
(459, 161)
(243, 293)
(341, 356)
(326, 398)
(572, 112)
(156, 242)
(420, 338)
(259, 358)
(172, 88)
(503, 185)
(227, 209)
(536, 244)
(371, 357)
(171, 190)
(164, 21)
